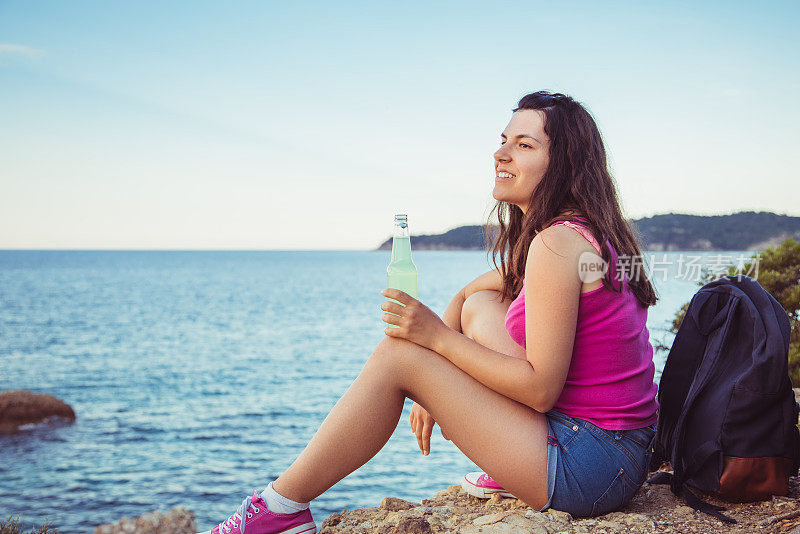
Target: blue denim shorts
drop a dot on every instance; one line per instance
(593, 471)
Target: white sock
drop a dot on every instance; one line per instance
(279, 504)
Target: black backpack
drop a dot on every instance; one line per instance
(727, 417)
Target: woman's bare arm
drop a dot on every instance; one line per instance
(492, 281)
(452, 315)
(552, 295)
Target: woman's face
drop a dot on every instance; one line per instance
(521, 160)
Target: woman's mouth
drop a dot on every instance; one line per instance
(504, 176)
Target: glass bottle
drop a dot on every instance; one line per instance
(402, 273)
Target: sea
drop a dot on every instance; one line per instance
(199, 376)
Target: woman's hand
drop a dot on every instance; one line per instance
(422, 425)
(415, 321)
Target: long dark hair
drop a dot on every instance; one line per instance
(577, 181)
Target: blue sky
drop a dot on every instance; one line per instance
(277, 125)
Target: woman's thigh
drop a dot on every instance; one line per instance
(503, 437)
(483, 318)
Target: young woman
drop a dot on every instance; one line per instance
(540, 371)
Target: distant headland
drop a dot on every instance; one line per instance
(746, 230)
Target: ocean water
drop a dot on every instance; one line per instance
(197, 377)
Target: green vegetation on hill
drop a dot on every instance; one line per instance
(747, 230)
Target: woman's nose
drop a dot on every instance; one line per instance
(501, 154)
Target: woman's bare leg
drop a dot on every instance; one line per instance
(505, 438)
(483, 319)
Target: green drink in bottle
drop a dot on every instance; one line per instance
(402, 273)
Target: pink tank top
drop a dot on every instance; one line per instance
(610, 377)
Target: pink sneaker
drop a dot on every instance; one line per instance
(259, 520)
(482, 486)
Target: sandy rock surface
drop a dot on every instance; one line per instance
(176, 521)
(654, 509)
(21, 407)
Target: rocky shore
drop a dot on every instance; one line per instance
(176, 521)
(654, 509)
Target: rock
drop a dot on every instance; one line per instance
(450, 491)
(332, 520)
(393, 504)
(21, 407)
(441, 511)
(494, 499)
(637, 520)
(526, 524)
(684, 511)
(392, 517)
(611, 526)
(488, 519)
(558, 515)
(413, 525)
(518, 503)
(496, 528)
(176, 521)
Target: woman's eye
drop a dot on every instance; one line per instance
(525, 145)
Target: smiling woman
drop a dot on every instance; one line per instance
(541, 377)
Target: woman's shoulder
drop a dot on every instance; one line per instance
(561, 247)
(565, 238)
(583, 231)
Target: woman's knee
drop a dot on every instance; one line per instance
(475, 306)
(390, 347)
(392, 354)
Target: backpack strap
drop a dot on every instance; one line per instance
(662, 477)
(705, 507)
